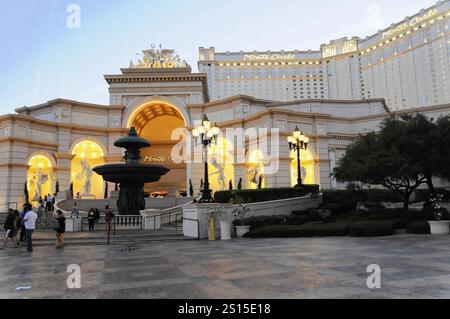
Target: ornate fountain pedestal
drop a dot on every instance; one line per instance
(131, 176)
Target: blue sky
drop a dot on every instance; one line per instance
(41, 58)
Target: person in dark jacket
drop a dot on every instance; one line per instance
(22, 225)
(91, 219)
(10, 228)
(97, 215)
(60, 229)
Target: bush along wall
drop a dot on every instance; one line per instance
(319, 229)
(264, 195)
(365, 195)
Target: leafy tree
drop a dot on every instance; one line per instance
(440, 149)
(397, 157)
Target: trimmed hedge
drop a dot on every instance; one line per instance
(264, 195)
(365, 195)
(419, 228)
(263, 221)
(372, 229)
(293, 231)
(318, 229)
(386, 214)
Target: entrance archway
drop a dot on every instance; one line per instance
(156, 122)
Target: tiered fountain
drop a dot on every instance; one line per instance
(131, 176)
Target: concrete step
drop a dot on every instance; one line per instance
(41, 238)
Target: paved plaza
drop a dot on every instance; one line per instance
(412, 267)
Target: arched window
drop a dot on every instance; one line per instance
(86, 183)
(307, 162)
(220, 167)
(255, 170)
(40, 177)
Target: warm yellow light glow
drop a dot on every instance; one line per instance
(290, 139)
(215, 130)
(40, 172)
(93, 154)
(220, 167)
(307, 166)
(302, 138)
(195, 133)
(297, 133)
(201, 130)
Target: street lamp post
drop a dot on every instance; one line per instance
(205, 134)
(297, 142)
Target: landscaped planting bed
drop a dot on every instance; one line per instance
(320, 229)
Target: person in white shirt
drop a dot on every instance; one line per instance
(30, 225)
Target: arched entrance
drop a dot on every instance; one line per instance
(40, 177)
(307, 162)
(87, 184)
(156, 122)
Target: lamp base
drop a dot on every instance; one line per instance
(206, 197)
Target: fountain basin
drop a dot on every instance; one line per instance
(131, 173)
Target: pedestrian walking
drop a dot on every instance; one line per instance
(60, 229)
(30, 225)
(22, 225)
(97, 216)
(53, 202)
(109, 216)
(10, 227)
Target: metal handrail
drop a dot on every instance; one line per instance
(8, 204)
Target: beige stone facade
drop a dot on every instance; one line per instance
(56, 133)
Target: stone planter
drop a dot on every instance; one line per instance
(225, 230)
(440, 227)
(242, 230)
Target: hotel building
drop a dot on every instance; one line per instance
(407, 64)
(333, 95)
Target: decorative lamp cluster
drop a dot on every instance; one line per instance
(206, 135)
(298, 141)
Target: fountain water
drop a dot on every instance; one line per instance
(132, 175)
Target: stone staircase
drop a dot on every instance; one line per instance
(47, 238)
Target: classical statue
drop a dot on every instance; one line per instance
(37, 180)
(159, 58)
(255, 175)
(220, 172)
(86, 175)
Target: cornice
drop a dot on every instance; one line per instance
(68, 103)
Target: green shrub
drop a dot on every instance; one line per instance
(420, 228)
(307, 230)
(262, 221)
(400, 223)
(384, 214)
(264, 195)
(371, 229)
(340, 209)
(332, 229)
(339, 196)
(365, 195)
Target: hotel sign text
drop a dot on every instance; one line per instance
(406, 25)
(259, 57)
